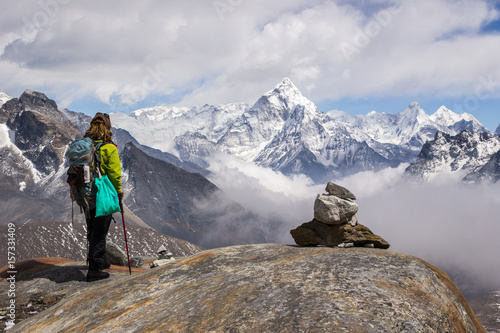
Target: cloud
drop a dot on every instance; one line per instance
(212, 55)
(450, 225)
(264, 191)
(446, 225)
(106, 91)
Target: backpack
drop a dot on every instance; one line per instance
(84, 167)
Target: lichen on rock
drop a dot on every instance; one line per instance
(269, 288)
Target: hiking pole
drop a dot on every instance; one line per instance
(126, 243)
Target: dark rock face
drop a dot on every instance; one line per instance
(465, 152)
(318, 233)
(490, 171)
(42, 131)
(32, 178)
(269, 288)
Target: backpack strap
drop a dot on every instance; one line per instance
(96, 159)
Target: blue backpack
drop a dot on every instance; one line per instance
(84, 168)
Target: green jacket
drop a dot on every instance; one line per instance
(110, 164)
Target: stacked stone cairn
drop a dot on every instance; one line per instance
(164, 257)
(335, 223)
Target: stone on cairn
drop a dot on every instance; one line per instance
(164, 257)
(335, 223)
(339, 191)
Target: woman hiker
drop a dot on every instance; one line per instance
(97, 227)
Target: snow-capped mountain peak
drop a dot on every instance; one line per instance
(286, 86)
(159, 113)
(457, 122)
(4, 98)
(285, 131)
(413, 113)
(446, 117)
(283, 99)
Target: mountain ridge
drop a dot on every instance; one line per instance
(462, 155)
(285, 131)
(34, 135)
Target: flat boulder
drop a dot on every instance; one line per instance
(317, 233)
(269, 288)
(339, 191)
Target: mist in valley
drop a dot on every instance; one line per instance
(446, 223)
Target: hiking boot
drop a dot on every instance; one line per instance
(106, 264)
(96, 275)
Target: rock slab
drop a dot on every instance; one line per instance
(318, 233)
(269, 288)
(339, 191)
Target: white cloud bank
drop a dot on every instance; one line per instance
(453, 226)
(231, 51)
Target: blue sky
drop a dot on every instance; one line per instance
(355, 56)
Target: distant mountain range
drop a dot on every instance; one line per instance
(285, 131)
(159, 192)
(165, 151)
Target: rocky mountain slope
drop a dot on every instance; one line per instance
(489, 171)
(268, 287)
(487, 309)
(285, 131)
(470, 155)
(59, 239)
(183, 204)
(33, 140)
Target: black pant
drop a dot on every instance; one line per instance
(97, 229)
